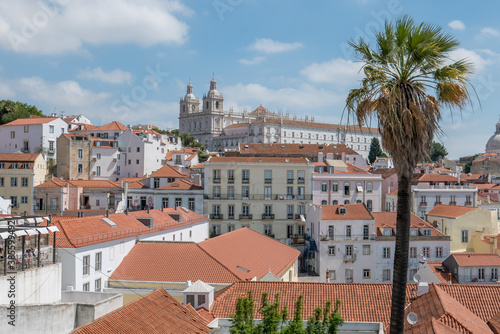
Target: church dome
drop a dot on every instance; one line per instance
(213, 88)
(493, 144)
(189, 94)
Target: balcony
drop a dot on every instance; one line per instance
(438, 202)
(256, 197)
(247, 216)
(352, 237)
(289, 216)
(230, 180)
(216, 179)
(301, 180)
(245, 180)
(468, 203)
(350, 258)
(268, 181)
(453, 203)
(216, 216)
(268, 216)
(230, 217)
(289, 181)
(422, 204)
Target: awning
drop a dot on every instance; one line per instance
(30, 220)
(31, 232)
(4, 235)
(43, 230)
(53, 228)
(39, 219)
(359, 188)
(20, 233)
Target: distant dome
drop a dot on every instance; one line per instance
(493, 144)
(213, 88)
(189, 94)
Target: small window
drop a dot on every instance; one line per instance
(386, 253)
(366, 273)
(331, 250)
(366, 250)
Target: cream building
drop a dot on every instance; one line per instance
(462, 224)
(19, 174)
(73, 156)
(219, 130)
(268, 195)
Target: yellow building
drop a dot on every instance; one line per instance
(464, 225)
(19, 174)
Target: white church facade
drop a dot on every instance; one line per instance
(220, 130)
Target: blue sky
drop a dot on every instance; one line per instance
(131, 60)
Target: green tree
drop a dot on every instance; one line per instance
(375, 150)
(10, 111)
(407, 62)
(468, 164)
(437, 151)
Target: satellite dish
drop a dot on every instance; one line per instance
(416, 278)
(412, 318)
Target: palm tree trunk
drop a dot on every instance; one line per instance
(401, 254)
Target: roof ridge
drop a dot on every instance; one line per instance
(198, 244)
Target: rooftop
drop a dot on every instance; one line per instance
(388, 220)
(295, 149)
(168, 171)
(450, 211)
(34, 120)
(113, 126)
(475, 259)
(352, 212)
(259, 159)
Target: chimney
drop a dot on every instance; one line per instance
(107, 213)
(449, 278)
(320, 157)
(188, 283)
(423, 288)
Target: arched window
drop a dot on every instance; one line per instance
(346, 201)
(335, 202)
(369, 187)
(358, 201)
(346, 188)
(323, 202)
(369, 205)
(216, 104)
(207, 104)
(324, 186)
(335, 186)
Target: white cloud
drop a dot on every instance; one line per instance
(301, 100)
(337, 71)
(267, 45)
(114, 77)
(456, 25)
(254, 61)
(489, 32)
(478, 61)
(68, 26)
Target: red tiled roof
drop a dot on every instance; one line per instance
(260, 110)
(442, 307)
(386, 172)
(237, 125)
(352, 212)
(156, 313)
(293, 149)
(442, 274)
(80, 183)
(251, 250)
(198, 166)
(360, 302)
(475, 259)
(31, 121)
(450, 211)
(171, 262)
(168, 171)
(132, 179)
(191, 157)
(258, 159)
(435, 178)
(113, 126)
(136, 185)
(494, 323)
(168, 156)
(388, 220)
(18, 157)
(181, 184)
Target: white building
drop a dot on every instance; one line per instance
(476, 268)
(32, 135)
(93, 247)
(220, 130)
(357, 246)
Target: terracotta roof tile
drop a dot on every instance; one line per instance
(31, 121)
(435, 178)
(198, 166)
(352, 212)
(156, 313)
(113, 126)
(137, 185)
(18, 157)
(388, 220)
(171, 262)
(450, 211)
(441, 272)
(168, 171)
(251, 250)
(237, 125)
(294, 149)
(258, 159)
(475, 259)
(385, 172)
(182, 184)
(494, 323)
(81, 183)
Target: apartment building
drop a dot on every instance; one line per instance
(475, 268)
(355, 245)
(336, 182)
(74, 156)
(32, 135)
(268, 195)
(20, 173)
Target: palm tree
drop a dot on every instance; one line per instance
(408, 61)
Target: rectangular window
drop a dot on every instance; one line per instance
(267, 192)
(349, 275)
(13, 181)
(51, 146)
(178, 201)
(301, 177)
(494, 274)
(230, 192)
(245, 192)
(386, 275)
(480, 274)
(26, 146)
(138, 149)
(268, 176)
(366, 273)
(332, 275)
(137, 162)
(98, 261)
(164, 202)
(289, 177)
(230, 227)
(366, 250)
(301, 193)
(331, 250)
(13, 134)
(24, 182)
(426, 251)
(230, 176)
(366, 232)
(268, 230)
(216, 190)
(268, 210)
(335, 187)
(245, 176)
(24, 199)
(301, 229)
(348, 232)
(331, 233)
(86, 265)
(245, 210)
(230, 211)
(51, 129)
(216, 175)
(191, 204)
(97, 202)
(386, 253)
(289, 211)
(86, 286)
(26, 128)
(53, 204)
(97, 285)
(301, 209)
(413, 252)
(80, 168)
(13, 201)
(439, 251)
(80, 153)
(346, 188)
(216, 229)
(289, 231)
(98, 170)
(2, 182)
(156, 182)
(465, 236)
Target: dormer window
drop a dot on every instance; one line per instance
(413, 232)
(342, 210)
(387, 232)
(426, 231)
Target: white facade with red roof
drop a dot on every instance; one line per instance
(475, 268)
(357, 246)
(32, 135)
(185, 157)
